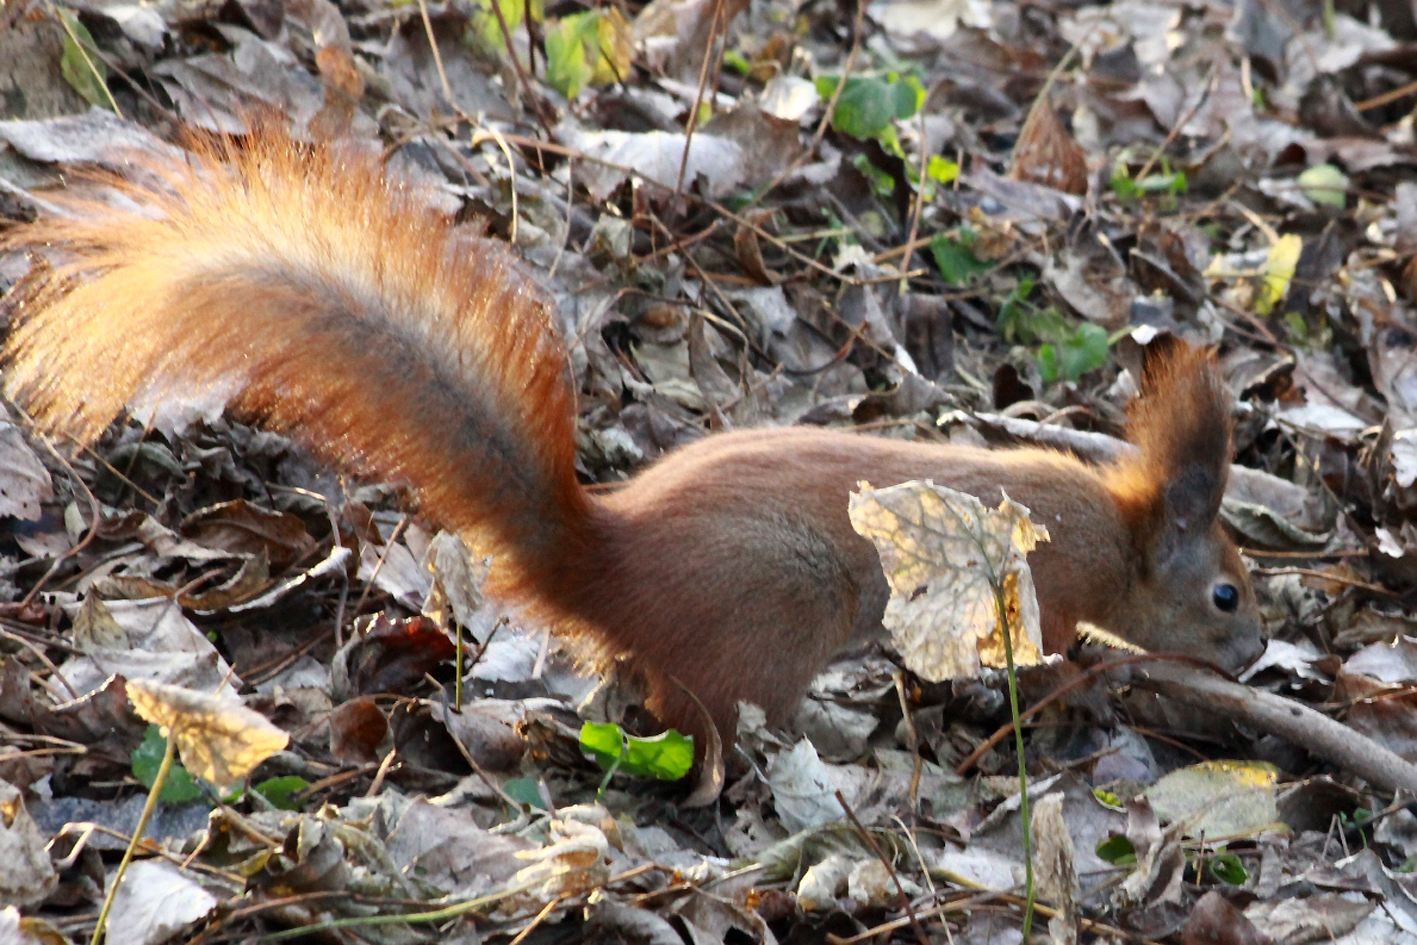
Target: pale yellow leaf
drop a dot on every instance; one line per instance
(218, 739)
(950, 562)
(611, 62)
(1218, 799)
(1279, 268)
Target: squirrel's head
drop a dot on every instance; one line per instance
(1191, 594)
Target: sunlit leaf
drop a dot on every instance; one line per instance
(1278, 272)
(667, 756)
(568, 66)
(941, 170)
(1218, 798)
(950, 562)
(218, 739)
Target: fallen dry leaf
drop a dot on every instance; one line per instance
(950, 563)
(218, 739)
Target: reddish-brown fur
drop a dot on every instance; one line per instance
(346, 313)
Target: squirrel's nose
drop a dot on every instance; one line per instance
(1251, 649)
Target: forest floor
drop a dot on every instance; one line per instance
(956, 221)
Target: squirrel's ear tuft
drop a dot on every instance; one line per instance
(1171, 488)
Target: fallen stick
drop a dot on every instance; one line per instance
(1315, 732)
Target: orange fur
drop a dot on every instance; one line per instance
(352, 317)
(346, 312)
(1180, 421)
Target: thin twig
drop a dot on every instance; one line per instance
(890, 868)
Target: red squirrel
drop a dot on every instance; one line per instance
(343, 311)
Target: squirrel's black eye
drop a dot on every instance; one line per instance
(1226, 597)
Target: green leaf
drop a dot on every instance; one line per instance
(667, 757)
(1117, 850)
(955, 258)
(79, 64)
(869, 105)
(1128, 188)
(941, 170)
(281, 791)
(1325, 185)
(1108, 799)
(1228, 868)
(735, 60)
(180, 787)
(1122, 184)
(525, 791)
(881, 182)
(485, 33)
(1020, 321)
(568, 65)
(1083, 351)
(1358, 820)
(1173, 183)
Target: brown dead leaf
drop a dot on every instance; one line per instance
(1046, 152)
(1214, 921)
(391, 655)
(243, 528)
(358, 729)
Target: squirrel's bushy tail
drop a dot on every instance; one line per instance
(334, 305)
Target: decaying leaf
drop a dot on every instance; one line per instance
(658, 156)
(1160, 862)
(1216, 799)
(157, 900)
(219, 739)
(951, 563)
(805, 788)
(26, 875)
(1056, 866)
(24, 482)
(1046, 152)
(572, 862)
